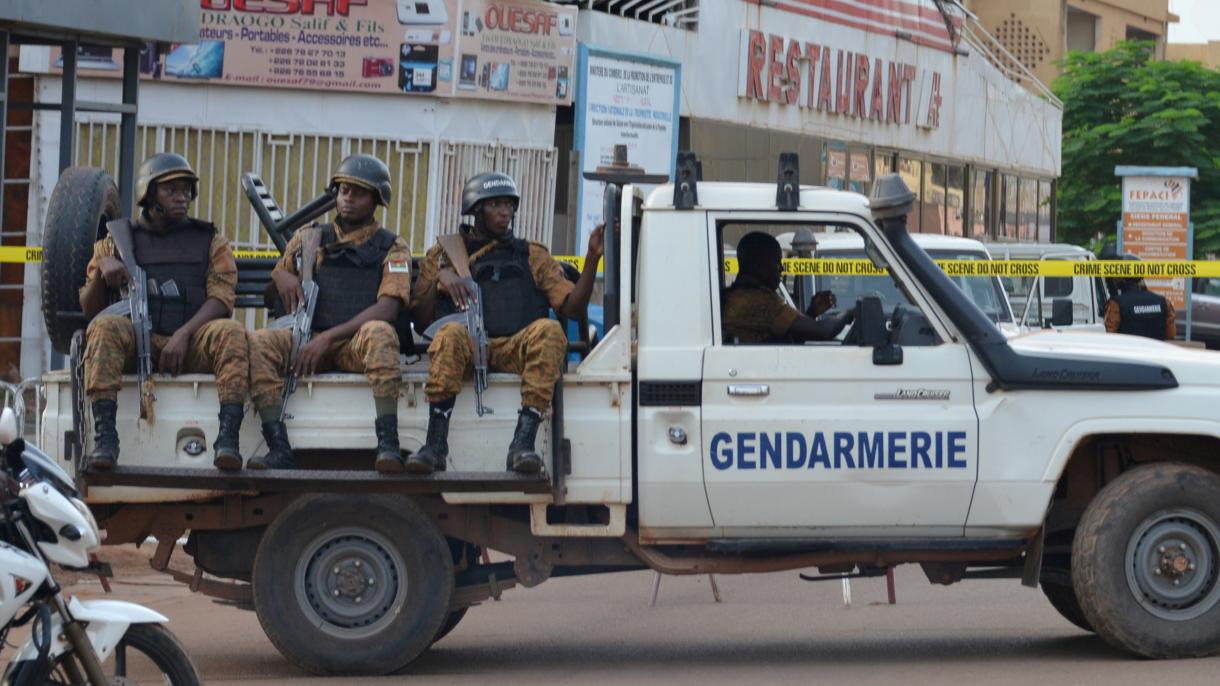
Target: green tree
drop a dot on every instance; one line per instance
(1121, 107)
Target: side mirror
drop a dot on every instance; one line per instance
(8, 426)
(1061, 312)
(870, 322)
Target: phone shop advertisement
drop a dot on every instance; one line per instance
(519, 50)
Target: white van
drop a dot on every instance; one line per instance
(1035, 298)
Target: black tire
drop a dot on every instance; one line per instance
(450, 624)
(325, 555)
(1151, 527)
(160, 649)
(83, 200)
(1063, 599)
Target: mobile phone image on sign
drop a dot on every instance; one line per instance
(422, 12)
(499, 77)
(417, 68)
(469, 75)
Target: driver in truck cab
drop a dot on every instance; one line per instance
(755, 313)
(518, 282)
(363, 274)
(191, 265)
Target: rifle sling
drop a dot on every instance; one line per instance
(455, 249)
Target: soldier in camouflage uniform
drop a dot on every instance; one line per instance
(755, 313)
(363, 274)
(192, 331)
(518, 281)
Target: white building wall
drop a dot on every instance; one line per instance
(986, 118)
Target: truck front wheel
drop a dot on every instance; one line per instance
(352, 584)
(1146, 561)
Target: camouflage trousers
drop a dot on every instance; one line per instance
(372, 350)
(219, 346)
(536, 352)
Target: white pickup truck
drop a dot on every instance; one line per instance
(1087, 464)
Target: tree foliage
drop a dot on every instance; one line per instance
(1121, 107)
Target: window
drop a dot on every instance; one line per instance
(911, 172)
(836, 166)
(955, 195)
(1008, 207)
(932, 207)
(1081, 30)
(1045, 202)
(860, 171)
(1027, 217)
(748, 315)
(981, 203)
(883, 163)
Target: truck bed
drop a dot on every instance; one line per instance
(330, 424)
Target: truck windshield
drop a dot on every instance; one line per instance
(986, 293)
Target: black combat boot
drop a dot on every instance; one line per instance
(521, 456)
(432, 456)
(279, 451)
(105, 453)
(225, 449)
(389, 455)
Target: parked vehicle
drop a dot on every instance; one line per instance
(1205, 313)
(73, 641)
(1081, 299)
(1083, 463)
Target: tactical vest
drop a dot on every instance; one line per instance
(181, 255)
(1142, 313)
(511, 299)
(349, 277)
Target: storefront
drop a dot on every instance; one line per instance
(860, 88)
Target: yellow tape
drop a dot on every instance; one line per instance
(1166, 269)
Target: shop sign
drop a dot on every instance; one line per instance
(836, 81)
(624, 99)
(516, 50)
(1156, 225)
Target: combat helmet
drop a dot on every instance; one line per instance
(164, 166)
(488, 185)
(365, 171)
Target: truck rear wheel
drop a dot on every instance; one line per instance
(352, 584)
(1146, 562)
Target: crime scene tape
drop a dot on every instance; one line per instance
(1151, 269)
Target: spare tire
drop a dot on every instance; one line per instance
(84, 199)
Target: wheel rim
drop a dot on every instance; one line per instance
(1172, 564)
(350, 582)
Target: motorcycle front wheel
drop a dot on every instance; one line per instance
(148, 654)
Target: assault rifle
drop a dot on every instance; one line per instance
(471, 318)
(301, 320)
(136, 307)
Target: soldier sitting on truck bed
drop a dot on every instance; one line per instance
(363, 273)
(518, 280)
(191, 331)
(755, 313)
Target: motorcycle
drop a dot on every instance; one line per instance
(72, 641)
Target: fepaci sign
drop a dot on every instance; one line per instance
(1156, 223)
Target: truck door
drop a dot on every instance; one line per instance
(818, 438)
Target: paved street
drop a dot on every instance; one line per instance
(770, 628)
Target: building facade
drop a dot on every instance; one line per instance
(857, 88)
(1039, 33)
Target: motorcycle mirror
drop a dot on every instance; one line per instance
(8, 426)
